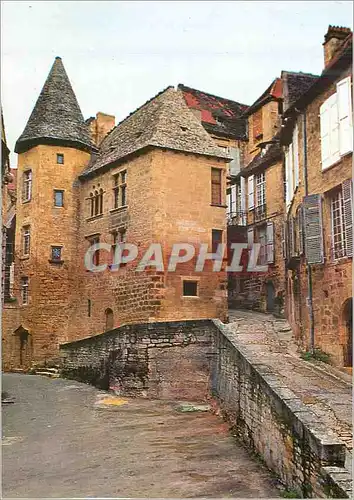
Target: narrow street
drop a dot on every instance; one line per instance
(66, 439)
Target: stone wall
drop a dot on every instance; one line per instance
(273, 422)
(157, 360)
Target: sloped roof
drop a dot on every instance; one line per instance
(274, 91)
(56, 116)
(219, 116)
(341, 60)
(265, 158)
(163, 122)
(295, 84)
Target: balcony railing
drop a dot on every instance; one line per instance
(237, 218)
(260, 213)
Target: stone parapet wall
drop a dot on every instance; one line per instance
(272, 421)
(167, 360)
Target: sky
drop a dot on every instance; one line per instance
(120, 54)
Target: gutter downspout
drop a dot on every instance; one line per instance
(309, 269)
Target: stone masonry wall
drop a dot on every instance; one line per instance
(185, 360)
(272, 421)
(157, 360)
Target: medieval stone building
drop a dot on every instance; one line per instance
(157, 177)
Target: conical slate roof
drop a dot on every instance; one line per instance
(164, 122)
(56, 117)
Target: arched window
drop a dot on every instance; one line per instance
(109, 319)
(100, 202)
(91, 205)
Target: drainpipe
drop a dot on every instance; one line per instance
(309, 269)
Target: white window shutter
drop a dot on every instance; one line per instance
(233, 199)
(296, 156)
(234, 165)
(250, 237)
(334, 129)
(344, 101)
(270, 242)
(243, 200)
(250, 192)
(228, 201)
(325, 135)
(287, 196)
(347, 188)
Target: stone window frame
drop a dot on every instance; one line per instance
(53, 259)
(216, 186)
(338, 236)
(55, 192)
(92, 240)
(194, 279)
(120, 189)
(24, 290)
(27, 186)
(260, 189)
(96, 202)
(26, 240)
(60, 158)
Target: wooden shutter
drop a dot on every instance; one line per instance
(325, 139)
(296, 156)
(312, 217)
(270, 242)
(250, 237)
(243, 200)
(291, 236)
(233, 199)
(345, 116)
(250, 192)
(334, 129)
(287, 195)
(284, 236)
(228, 202)
(234, 166)
(291, 173)
(301, 233)
(347, 188)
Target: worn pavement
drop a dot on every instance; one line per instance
(325, 390)
(66, 439)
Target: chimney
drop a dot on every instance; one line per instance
(100, 126)
(333, 40)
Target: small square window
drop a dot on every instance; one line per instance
(60, 159)
(190, 288)
(58, 198)
(56, 254)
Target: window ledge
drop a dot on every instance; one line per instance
(26, 201)
(220, 206)
(94, 217)
(118, 209)
(55, 261)
(336, 163)
(24, 257)
(190, 297)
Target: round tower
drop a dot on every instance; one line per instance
(53, 149)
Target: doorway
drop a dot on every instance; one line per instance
(348, 324)
(270, 291)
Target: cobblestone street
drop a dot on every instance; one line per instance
(324, 389)
(66, 439)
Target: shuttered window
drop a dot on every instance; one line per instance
(347, 188)
(313, 233)
(260, 189)
(243, 200)
(234, 166)
(284, 235)
(338, 230)
(250, 192)
(336, 124)
(345, 116)
(300, 224)
(270, 242)
(296, 156)
(216, 186)
(250, 237)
